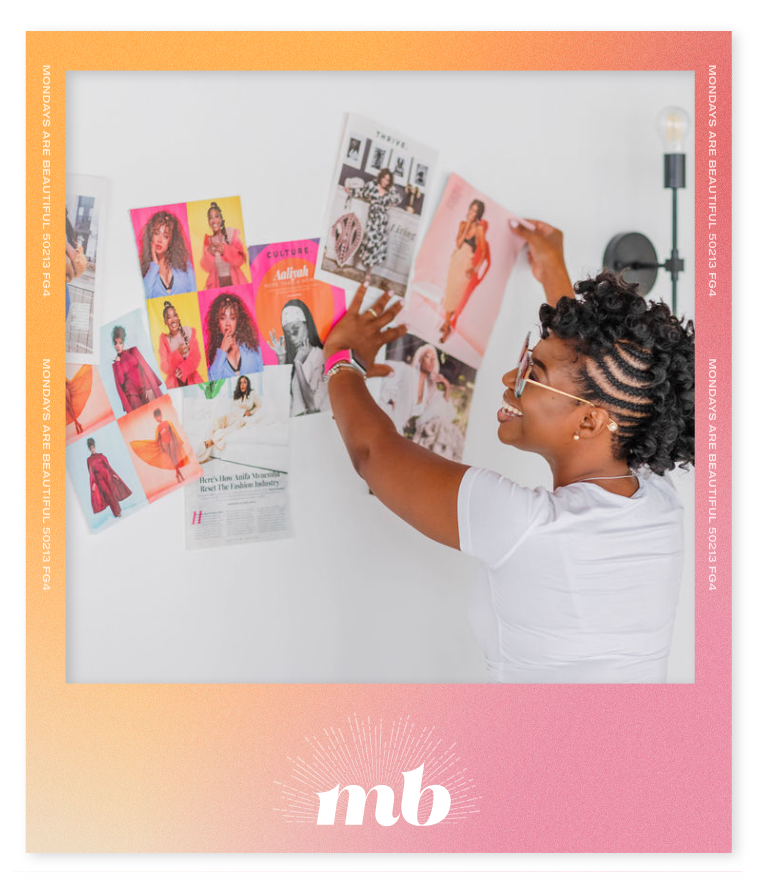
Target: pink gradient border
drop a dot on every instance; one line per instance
(191, 768)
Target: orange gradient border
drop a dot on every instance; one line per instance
(190, 768)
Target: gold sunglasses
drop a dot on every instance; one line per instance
(522, 380)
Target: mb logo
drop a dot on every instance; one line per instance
(385, 804)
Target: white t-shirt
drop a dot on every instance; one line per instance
(578, 585)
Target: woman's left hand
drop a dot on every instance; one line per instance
(365, 333)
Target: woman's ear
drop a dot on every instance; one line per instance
(593, 423)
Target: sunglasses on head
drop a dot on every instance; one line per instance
(522, 379)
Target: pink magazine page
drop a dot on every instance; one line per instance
(461, 272)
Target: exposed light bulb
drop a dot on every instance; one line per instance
(672, 126)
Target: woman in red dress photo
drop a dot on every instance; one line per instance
(134, 378)
(165, 450)
(106, 487)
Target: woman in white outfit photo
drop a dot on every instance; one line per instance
(579, 583)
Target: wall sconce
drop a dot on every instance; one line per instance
(634, 251)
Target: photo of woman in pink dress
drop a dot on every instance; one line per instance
(469, 264)
(223, 253)
(179, 351)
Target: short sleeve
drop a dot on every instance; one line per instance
(496, 514)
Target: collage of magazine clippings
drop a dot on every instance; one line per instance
(220, 314)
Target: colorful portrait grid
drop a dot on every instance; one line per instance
(198, 290)
(125, 444)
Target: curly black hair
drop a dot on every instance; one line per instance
(640, 367)
(246, 332)
(178, 250)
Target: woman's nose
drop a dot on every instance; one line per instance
(509, 379)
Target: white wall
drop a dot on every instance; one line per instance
(356, 596)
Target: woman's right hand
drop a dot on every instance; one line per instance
(365, 333)
(545, 245)
(278, 345)
(228, 342)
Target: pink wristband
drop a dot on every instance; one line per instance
(341, 355)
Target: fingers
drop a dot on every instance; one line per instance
(392, 334)
(527, 224)
(531, 229)
(378, 370)
(380, 305)
(385, 318)
(524, 232)
(356, 303)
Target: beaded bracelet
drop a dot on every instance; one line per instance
(339, 366)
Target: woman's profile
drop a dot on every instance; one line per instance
(107, 489)
(232, 338)
(165, 257)
(468, 265)
(222, 252)
(579, 583)
(179, 351)
(134, 378)
(301, 346)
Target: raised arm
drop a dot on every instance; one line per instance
(546, 258)
(416, 484)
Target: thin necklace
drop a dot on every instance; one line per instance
(615, 477)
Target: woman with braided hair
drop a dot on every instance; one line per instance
(232, 338)
(579, 583)
(222, 252)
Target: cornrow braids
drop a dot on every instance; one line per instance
(639, 366)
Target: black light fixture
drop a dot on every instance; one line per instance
(634, 252)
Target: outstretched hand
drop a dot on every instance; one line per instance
(545, 245)
(277, 344)
(365, 333)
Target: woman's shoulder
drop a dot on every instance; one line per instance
(492, 487)
(495, 513)
(660, 488)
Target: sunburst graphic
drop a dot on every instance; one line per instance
(369, 754)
